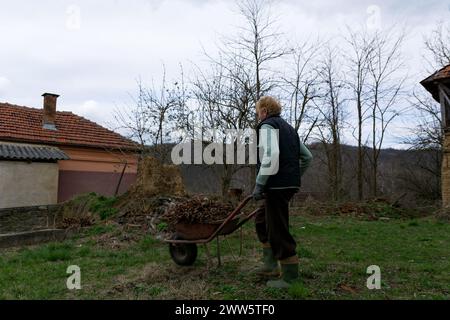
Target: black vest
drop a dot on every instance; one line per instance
(289, 163)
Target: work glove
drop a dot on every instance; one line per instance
(258, 192)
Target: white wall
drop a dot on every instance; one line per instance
(28, 184)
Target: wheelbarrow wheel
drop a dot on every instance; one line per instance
(183, 254)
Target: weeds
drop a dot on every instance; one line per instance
(298, 291)
(104, 206)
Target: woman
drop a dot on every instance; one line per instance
(284, 160)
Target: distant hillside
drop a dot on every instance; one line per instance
(403, 174)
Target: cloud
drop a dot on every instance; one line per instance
(91, 52)
(4, 83)
(92, 110)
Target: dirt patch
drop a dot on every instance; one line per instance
(162, 281)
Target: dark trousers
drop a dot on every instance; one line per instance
(272, 223)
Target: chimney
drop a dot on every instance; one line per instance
(49, 120)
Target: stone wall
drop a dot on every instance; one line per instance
(13, 220)
(28, 238)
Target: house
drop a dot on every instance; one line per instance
(438, 84)
(47, 156)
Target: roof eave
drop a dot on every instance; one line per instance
(65, 144)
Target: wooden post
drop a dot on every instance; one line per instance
(120, 179)
(444, 97)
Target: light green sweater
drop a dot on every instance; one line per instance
(271, 153)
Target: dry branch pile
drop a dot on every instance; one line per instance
(158, 196)
(155, 178)
(154, 204)
(197, 210)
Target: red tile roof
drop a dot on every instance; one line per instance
(23, 124)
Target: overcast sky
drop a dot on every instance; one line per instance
(92, 52)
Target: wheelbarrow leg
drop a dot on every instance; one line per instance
(208, 255)
(218, 252)
(240, 241)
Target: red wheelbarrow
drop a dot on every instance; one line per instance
(183, 244)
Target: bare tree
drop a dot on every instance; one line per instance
(429, 132)
(223, 96)
(134, 120)
(358, 57)
(183, 114)
(427, 139)
(247, 57)
(331, 108)
(302, 87)
(258, 42)
(421, 175)
(438, 47)
(149, 120)
(386, 83)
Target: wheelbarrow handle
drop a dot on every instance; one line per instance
(243, 203)
(237, 210)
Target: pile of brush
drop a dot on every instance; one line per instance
(197, 210)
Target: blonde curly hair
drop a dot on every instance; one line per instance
(271, 105)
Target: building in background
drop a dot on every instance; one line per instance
(438, 84)
(48, 156)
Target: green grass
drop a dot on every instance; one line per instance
(298, 291)
(100, 229)
(104, 206)
(162, 226)
(413, 255)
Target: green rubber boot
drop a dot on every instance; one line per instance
(270, 267)
(289, 273)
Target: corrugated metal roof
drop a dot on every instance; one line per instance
(29, 152)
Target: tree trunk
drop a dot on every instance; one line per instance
(360, 153)
(226, 181)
